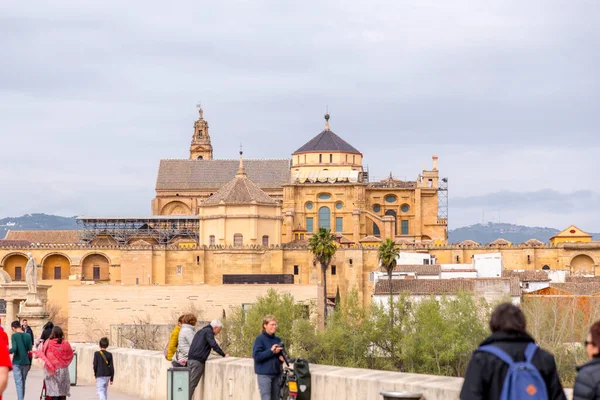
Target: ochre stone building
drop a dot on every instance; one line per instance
(226, 222)
(324, 184)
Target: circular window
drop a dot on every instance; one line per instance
(405, 208)
(390, 198)
(324, 196)
(376, 208)
(309, 206)
(339, 206)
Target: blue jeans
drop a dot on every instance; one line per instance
(102, 386)
(268, 386)
(20, 373)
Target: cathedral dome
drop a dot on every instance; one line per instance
(327, 141)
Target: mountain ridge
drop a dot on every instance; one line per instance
(481, 233)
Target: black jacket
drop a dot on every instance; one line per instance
(486, 372)
(27, 330)
(203, 341)
(587, 383)
(101, 368)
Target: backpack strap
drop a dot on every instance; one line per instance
(530, 352)
(501, 354)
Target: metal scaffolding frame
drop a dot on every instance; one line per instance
(443, 198)
(164, 229)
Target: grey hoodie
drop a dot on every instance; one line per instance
(186, 336)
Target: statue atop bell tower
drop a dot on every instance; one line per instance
(201, 148)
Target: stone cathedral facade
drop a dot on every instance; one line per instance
(323, 184)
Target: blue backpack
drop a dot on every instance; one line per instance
(523, 380)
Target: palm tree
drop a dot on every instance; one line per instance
(387, 254)
(322, 245)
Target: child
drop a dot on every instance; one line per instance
(104, 370)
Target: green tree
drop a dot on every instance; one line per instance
(387, 254)
(338, 299)
(322, 245)
(294, 325)
(386, 342)
(345, 339)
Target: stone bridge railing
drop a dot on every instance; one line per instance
(143, 374)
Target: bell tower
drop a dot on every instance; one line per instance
(201, 148)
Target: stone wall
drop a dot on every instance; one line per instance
(144, 374)
(93, 309)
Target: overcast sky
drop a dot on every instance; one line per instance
(93, 94)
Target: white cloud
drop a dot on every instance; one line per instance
(504, 91)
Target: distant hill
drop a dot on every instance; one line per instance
(481, 233)
(36, 222)
(486, 233)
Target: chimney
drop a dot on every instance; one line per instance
(435, 162)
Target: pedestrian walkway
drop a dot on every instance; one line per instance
(35, 381)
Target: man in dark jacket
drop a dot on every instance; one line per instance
(27, 329)
(587, 383)
(486, 372)
(204, 341)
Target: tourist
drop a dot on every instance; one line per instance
(184, 340)
(3, 335)
(587, 383)
(203, 342)
(267, 360)
(104, 370)
(484, 379)
(173, 341)
(21, 347)
(5, 367)
(57, 354)
(27, 329)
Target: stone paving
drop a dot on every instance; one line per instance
(80, 392)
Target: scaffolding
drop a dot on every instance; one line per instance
(443, 199)
(163, 229)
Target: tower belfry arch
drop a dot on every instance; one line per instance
(201, 147)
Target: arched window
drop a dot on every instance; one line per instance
(238, 240)
(211, 238)
(324, 218)
(376, 231)
(393, 214)
(200, 157)
(546, 267)
(265, 241)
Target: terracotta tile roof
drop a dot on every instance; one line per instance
(343, 239)
(580, 289)
(7, 242)
(240, 190)
(214, 174)
(527, 276)
(418, 269)
(370, 238)
(467, 243)
(460, 270)
(44, 237)
(500, 242)
(425, 286)
(327, 141)
(582, 279)
(533, 243)
(404, 241)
